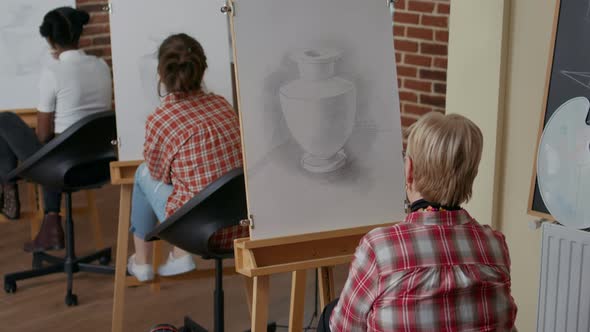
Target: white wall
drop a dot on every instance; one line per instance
(506, 170)
(475, 87)
(530, 35)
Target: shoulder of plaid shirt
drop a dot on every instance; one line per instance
(199, 129)
(437, 271)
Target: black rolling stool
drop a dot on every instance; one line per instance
(221, 204)
(78, 159)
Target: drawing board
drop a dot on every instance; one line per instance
(23, 52)
(320, 114)
(137, 29)
(568, 80)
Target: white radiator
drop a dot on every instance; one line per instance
(564, 291)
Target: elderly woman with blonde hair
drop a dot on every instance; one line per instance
(439, 270)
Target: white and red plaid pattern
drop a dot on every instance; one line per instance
(437, 271)
(224, 238)
(191, 140)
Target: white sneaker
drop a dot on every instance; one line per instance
(143, 272)
(174, 266)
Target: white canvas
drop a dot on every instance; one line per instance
(137, 29)
(320, 112)
(23, 52)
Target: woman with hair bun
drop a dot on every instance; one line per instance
(191, 140)
(75, 86)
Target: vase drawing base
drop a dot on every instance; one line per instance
(317, 164)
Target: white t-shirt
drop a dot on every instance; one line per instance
(74, 87)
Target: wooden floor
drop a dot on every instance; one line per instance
(39, 303)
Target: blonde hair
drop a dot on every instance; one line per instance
(445, 151)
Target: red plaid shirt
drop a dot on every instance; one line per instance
(191, 141)
(437, 271)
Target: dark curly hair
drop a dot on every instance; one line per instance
(63, 26)
(181, 63)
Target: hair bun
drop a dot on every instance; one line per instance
(45, 29)
(82, 17)
(63, 26)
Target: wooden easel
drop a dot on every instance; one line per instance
(259, 259)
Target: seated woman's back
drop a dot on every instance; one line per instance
(443, 268)
(191, 140)
(74, 87)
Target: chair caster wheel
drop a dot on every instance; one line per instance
(71, 300)
(271, 327)
(104, 260)
(10, 287)
(166, 328)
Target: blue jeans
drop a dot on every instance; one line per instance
(148, 204)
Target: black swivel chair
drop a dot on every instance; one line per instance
(221, 204)
(78, 159)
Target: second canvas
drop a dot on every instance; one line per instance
(320, 114)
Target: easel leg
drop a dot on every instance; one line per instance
(121, 266)
(249, 288)
(260, 304)
(156, 262)
(94, 219)
(35, 203)
(326, 281)
(297, 301)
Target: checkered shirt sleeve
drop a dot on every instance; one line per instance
(224, 238)
(157, 151)
(360, 290)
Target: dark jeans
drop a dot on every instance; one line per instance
(324, 322)
(18, 142)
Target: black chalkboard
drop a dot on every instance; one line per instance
(569, 74)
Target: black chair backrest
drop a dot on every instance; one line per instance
(76, 159)
(219, 205)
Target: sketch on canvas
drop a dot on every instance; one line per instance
(320, 114)
(23, 52)
(135, 38)
(319, 109)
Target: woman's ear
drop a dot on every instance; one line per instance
(409, 171)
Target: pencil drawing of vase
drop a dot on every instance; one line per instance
(319, 109)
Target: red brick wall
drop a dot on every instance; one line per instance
(421, 33)
(96, 38)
